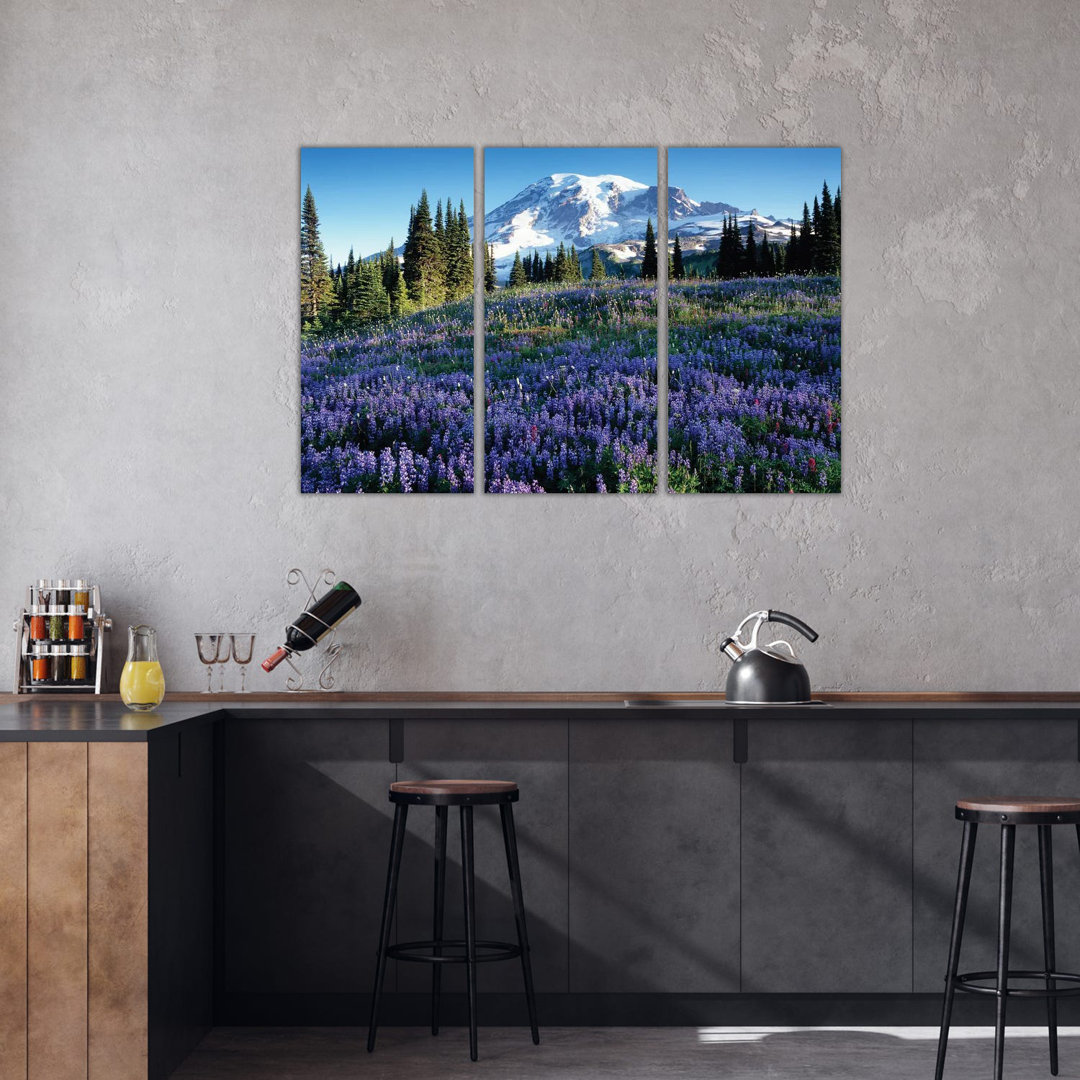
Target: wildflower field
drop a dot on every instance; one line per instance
(754, 385)
(391, 407)
(570, 381)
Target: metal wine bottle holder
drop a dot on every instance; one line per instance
(331, 648)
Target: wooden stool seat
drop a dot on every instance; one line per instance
(454, 792)
(1020, 809)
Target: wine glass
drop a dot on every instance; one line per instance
(223, 654)
(209, 645)
(243, 646)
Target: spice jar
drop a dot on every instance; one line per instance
(39, 663)
(37, 623)
(78, 662)
(57, 611)
(60, 665)
(77, 610)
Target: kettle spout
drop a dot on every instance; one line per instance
(732, 648)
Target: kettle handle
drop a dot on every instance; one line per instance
(794, 623)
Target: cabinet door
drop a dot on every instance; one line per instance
(654, 856)
(826, 856)
(306, 830)
(531, 752)
(986, 756)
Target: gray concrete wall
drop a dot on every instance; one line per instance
(148, 404)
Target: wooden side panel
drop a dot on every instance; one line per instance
(56, 911)
(12, 911)
(117, 913)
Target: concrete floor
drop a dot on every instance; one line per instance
(622, 1054)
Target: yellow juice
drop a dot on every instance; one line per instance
(142, 685)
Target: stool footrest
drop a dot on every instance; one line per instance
(966, 981)
(424, 951)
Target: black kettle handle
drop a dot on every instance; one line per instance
(795, 624)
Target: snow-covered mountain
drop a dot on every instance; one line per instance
(608, 212)
(568, 208)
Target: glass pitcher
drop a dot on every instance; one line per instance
(142, 684)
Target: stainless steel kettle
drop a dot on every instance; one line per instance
(762, 674)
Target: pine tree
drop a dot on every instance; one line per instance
(678, 271)
(517, 272)
(750, 256)
(573, 265)
(465, 252)
(828, 236)
(489, 269)
(648, 258)
(549, 267)
(560, 269)
(791, 255)
(766, 264)
(425, 272)
(598, 272)
(806, 243)
(316, 288)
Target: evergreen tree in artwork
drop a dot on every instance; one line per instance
(750, 255)
(598, 271)
(489, 269)
(678, 271)
(316, 289)
(573, 265)
(827, 251)
(766, 263)
(806, 243)
(424, 270)
(517, 272)
(791, 254)
(648, 258)
(560, 270)
(729, 257)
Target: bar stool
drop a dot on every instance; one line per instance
(1044, 813)
(443, 794)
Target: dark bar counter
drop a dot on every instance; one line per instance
(683, 860)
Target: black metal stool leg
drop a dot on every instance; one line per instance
(440, 898)
(1046, 881)
(506, 812)
(469, 886)
(389, 900)
(1008, 846)
(963, 883)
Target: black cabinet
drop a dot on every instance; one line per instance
(305, 828)
(989, 756)
(654, 855)
(531, 752)
(826, 856)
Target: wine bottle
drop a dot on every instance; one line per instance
(315, 621)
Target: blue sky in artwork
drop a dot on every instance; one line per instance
(774, 180)
(363, 194)
(509, 169)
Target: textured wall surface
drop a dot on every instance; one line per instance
(150, 382)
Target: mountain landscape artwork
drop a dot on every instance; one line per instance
(754, 319)
(570, 334)
(386, 319)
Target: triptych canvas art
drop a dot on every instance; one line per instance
(571, 260)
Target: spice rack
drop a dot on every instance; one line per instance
(61, 647)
